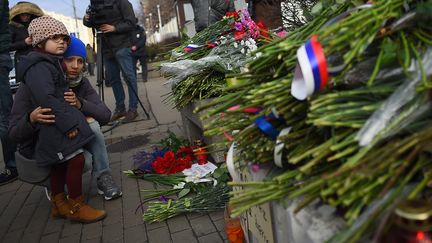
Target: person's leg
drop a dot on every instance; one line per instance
(112, 74)
(105, 183)
(9, 174)
(60, 206)
(79, 210)
(124, 58)
(90, 67)
(97, 149)
(143, 61)
(134, 63)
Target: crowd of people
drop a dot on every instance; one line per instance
(56, 102)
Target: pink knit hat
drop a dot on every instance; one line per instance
(45, 27)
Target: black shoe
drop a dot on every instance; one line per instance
(8, 176)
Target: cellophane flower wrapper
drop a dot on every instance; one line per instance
(394, 104)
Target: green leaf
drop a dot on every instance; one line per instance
(187, 202)
(316, 10)
(183, 192)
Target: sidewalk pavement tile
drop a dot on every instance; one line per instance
(210, 238)
(178, 223)
(184, 236)
(202, 225)
(159, 235)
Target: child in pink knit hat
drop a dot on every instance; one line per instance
(58, 144)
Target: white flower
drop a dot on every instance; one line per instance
(258, 54)
(179, 186)
(242, 42)
(247, 43)
(235, 44)
(252, 41)
(242, 51)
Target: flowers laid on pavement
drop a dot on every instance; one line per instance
(188, 173)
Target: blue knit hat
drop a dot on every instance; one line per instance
(75, 48)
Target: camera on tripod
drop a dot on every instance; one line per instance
(103, 12)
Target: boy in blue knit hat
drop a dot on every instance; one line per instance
(82, 96)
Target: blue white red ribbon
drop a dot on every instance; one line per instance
(191, 47)
(311, 74)
(312, 71)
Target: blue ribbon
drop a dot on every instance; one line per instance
(314, 65)
(266, 127)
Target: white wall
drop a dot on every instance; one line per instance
(168, 30)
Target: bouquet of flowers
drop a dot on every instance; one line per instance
(198, 70)
(351, 139)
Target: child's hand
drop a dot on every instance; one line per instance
(71, 98)
(73, 133)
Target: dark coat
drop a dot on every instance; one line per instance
(91, 103)
(207, 12)
(139, 39)
(121, 15)
(4, 31)
(18, 29)
(44, 85)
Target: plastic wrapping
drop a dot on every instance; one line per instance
(224, 58)
(394, 104)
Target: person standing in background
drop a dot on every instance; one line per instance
(90, 59)
(139, 51)
(9, 173)
(207, 12)
(117, 53)
(20, 17)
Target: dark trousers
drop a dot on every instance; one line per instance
(90, 67)
(6, 102)
(143, 62)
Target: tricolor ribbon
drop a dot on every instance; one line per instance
(311, 74)
(312, 71)
(191, 47)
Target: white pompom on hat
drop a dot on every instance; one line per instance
(45, 27)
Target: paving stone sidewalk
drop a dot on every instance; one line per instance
(25, 210)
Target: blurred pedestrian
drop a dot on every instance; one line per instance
(20, 17)
(90, 59)
(207, 12)
(139, 51)
(9, 173)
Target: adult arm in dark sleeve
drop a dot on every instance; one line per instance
(128, 22)
(16, 45)
(42, 87)
(92, 105)
(20, 128)
(143, 38)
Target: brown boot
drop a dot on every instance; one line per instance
(60, 206)
(83, 213)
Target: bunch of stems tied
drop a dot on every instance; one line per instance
(383, 48)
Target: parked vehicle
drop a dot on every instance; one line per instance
(12, 76)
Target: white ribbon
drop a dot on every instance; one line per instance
(230, 163)
(279, 147)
